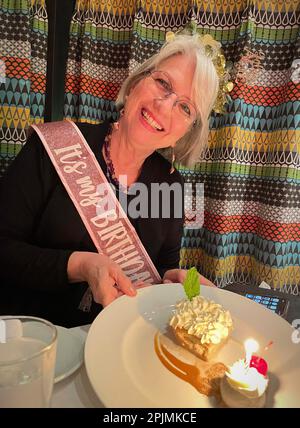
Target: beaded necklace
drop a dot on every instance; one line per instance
(110, 173)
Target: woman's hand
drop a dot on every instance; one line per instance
(178, 275)
(106, 279)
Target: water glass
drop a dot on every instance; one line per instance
(27, 361)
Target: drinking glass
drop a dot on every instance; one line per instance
(27, 361)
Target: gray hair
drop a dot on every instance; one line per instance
(205, 88)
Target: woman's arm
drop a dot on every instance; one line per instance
(24, 192)
(106, 279)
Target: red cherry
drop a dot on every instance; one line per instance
(259, 364)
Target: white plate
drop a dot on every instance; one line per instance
(69, 354)
(125, 371)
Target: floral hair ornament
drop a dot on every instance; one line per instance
(213, 50)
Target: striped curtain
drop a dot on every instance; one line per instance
(250, 170)
(23, 64)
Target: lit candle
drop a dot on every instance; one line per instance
(250, 346)
(245, 382)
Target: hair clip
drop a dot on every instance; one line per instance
(170, 36)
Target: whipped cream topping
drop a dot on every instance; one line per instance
(246, 380)
(202, 318)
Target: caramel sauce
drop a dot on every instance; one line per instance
(205, 380)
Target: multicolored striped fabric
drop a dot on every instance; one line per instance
(250, 170)
(23, 64)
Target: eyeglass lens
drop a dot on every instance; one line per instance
(163, 87)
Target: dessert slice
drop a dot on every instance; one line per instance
(201, 325)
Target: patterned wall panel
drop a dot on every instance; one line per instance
(23, 62)
(250, 169)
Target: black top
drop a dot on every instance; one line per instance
(40, 228)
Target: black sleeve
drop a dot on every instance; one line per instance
(169, 255)
(24, 191)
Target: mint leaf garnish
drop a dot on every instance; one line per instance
(191, 283)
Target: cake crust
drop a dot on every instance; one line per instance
(205, 351)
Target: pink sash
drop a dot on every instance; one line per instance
(96, 203)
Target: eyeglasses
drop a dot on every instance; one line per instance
(162, 89)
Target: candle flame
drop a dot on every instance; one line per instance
(251, 345)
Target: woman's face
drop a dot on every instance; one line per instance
(153, 121)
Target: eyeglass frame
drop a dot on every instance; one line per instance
(149, 73)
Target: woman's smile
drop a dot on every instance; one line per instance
(150, 121)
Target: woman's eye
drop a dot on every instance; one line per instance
(163, 84)
(184, 107)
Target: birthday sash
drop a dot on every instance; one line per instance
(102, 214)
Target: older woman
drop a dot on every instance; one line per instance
(46, 254)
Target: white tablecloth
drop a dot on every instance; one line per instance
(75, 391)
